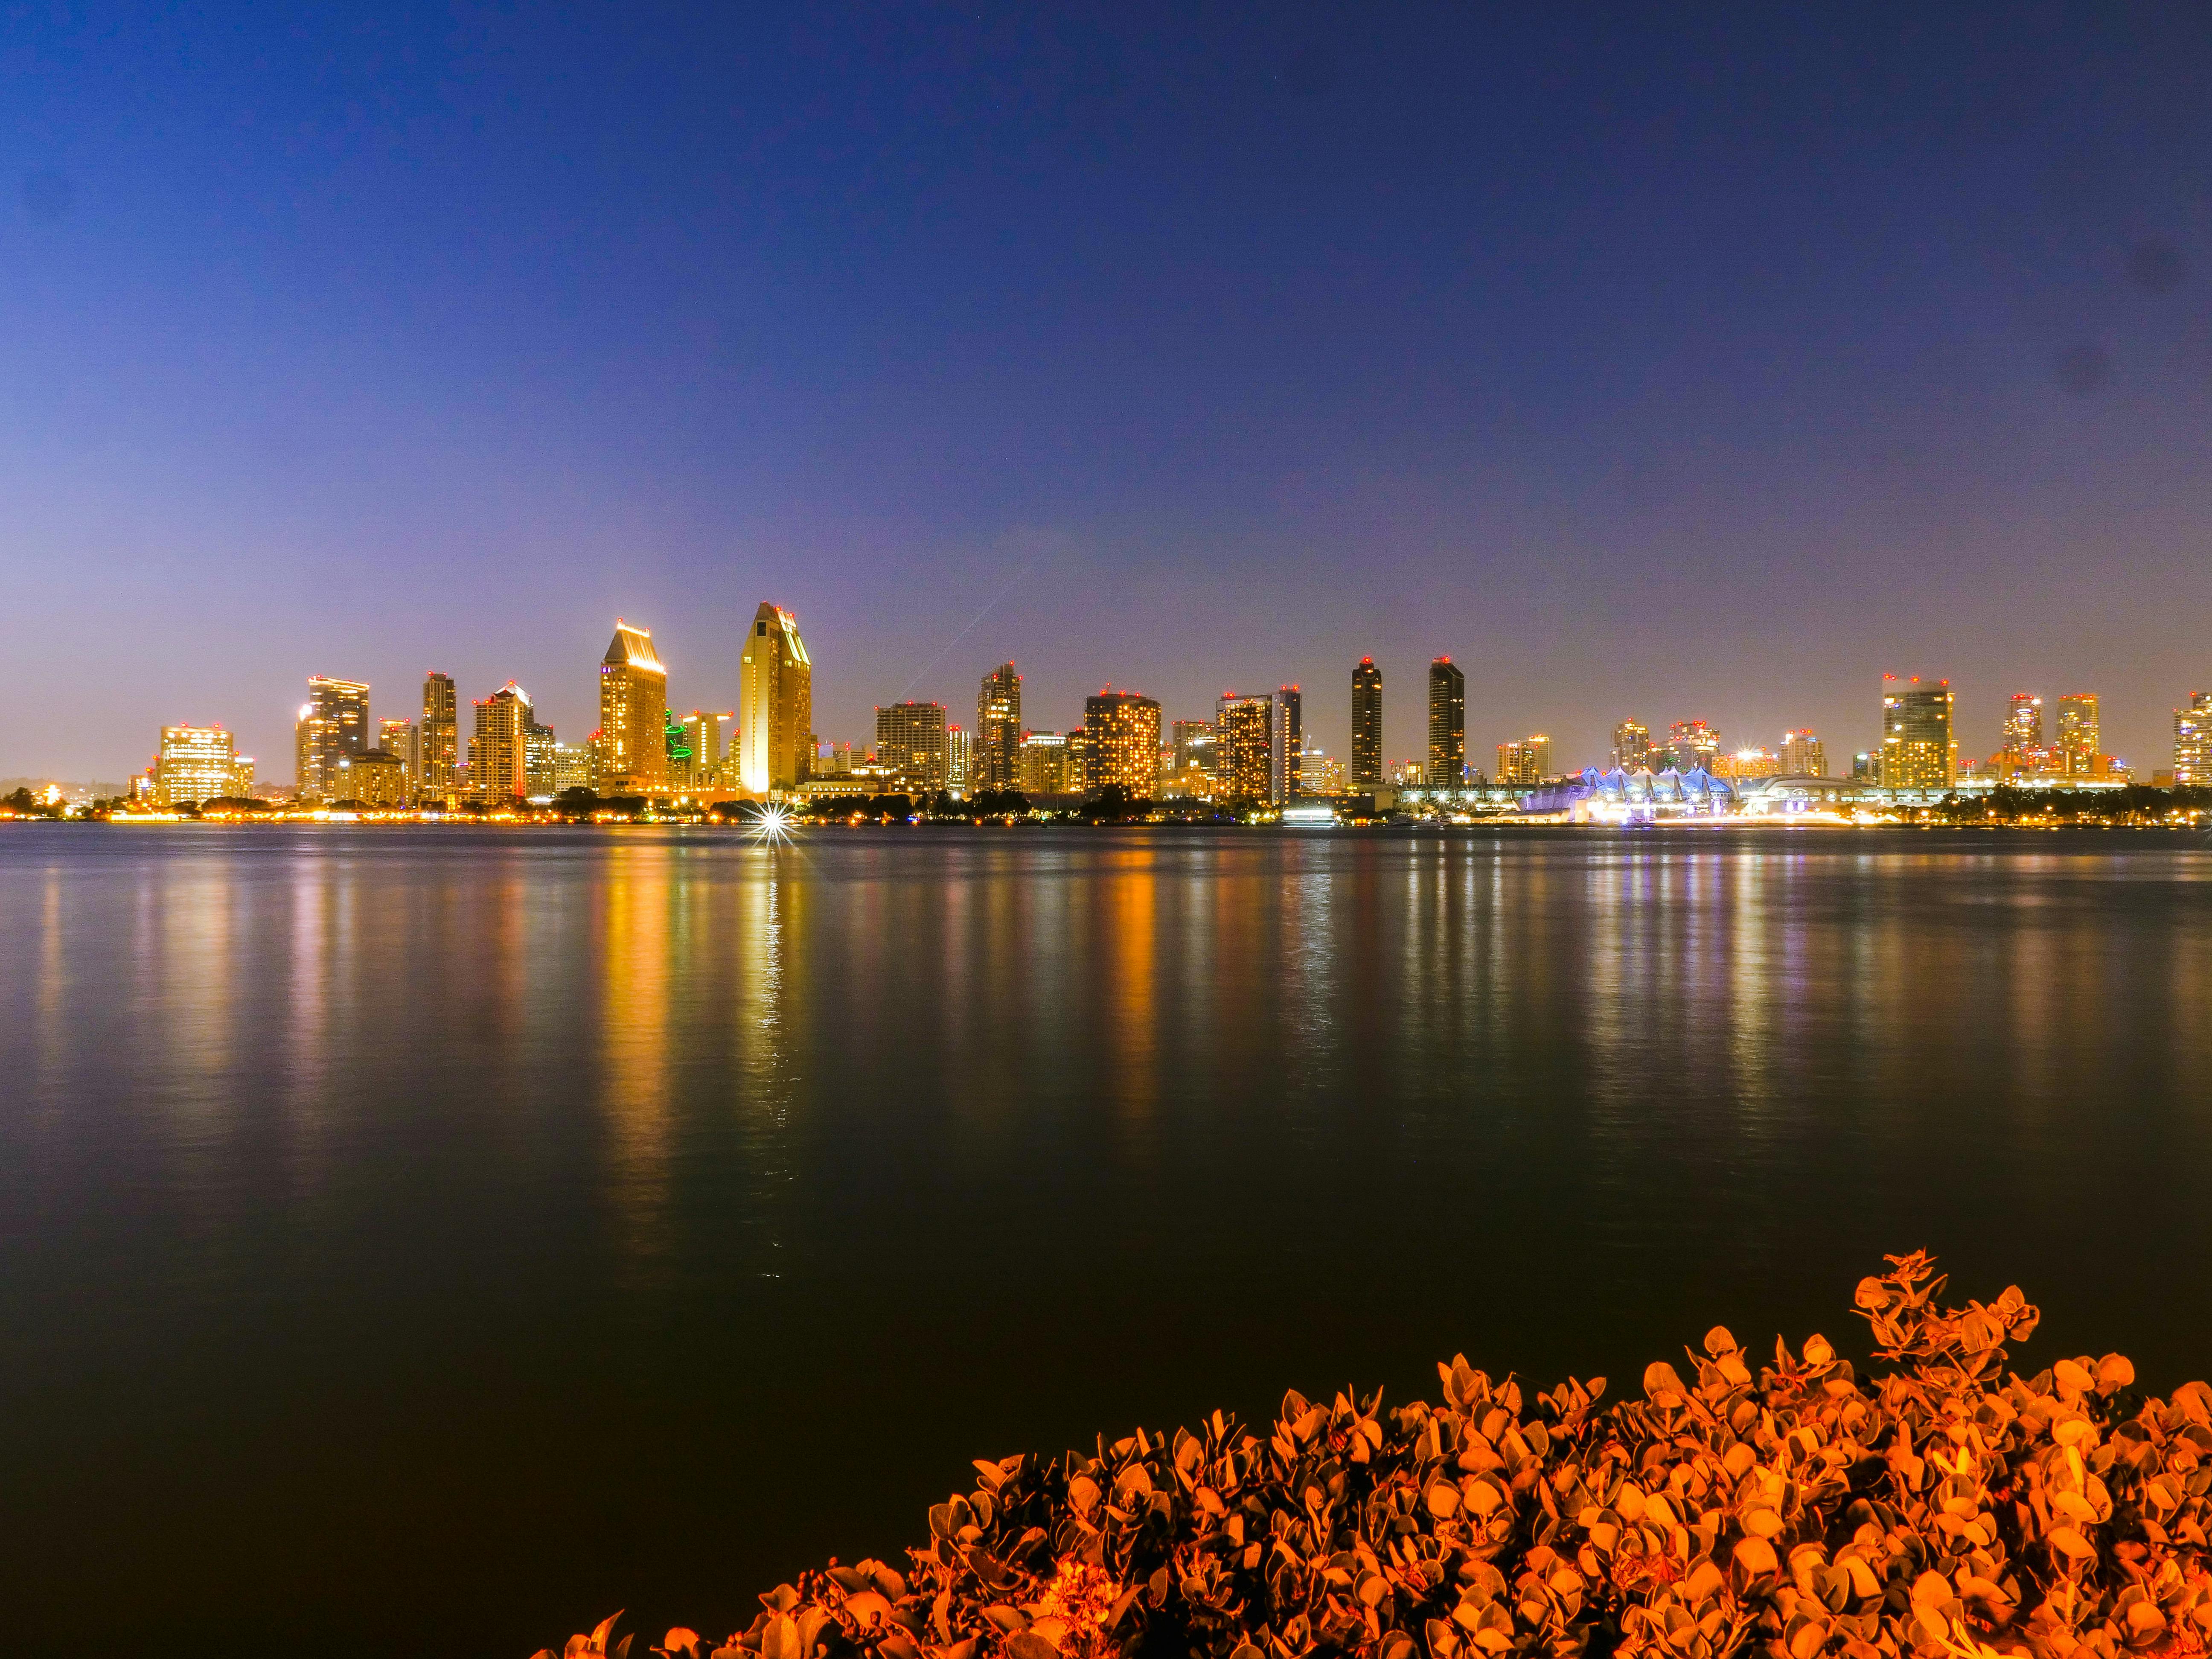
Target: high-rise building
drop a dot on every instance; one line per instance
(1524, 763)
(399, 738)
(999, 729)
(196, 763)
(1121, 731)
(499, 751)
(1244, 749)
(2081, 741)
(775, 705)
(1366, 774)
(1917, 752)
(1447, 764)
(1286, 739)
(333, 726)
(1079, 758)
(633, 715)
(910, 740)
(2022, 749)
(1318, 774)
(1043, 769)
(1632, 747)
(439, 755)
(1193, 750)
(1802, 755)
(540, 759)
(2192, 741)
(703, 738)
(1693, 744)
(958, 758)
(571, 766)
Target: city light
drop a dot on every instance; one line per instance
(771, 826)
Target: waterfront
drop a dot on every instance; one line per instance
(439, 1238)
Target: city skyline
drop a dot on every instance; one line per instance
(1599, 408)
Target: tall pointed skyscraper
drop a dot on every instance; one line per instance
(441, 751)
(1366, 775)
(633, 715)
(775, 705)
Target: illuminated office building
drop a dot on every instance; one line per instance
(910, 742)
(1694, 744)
(2022, 749)
(1320, 775)
(1632, 750)
(400, 739)
(438, 754)
(1044, 765)
(1447, 762)
(1285, 742)
(1121, 733)
(196, 763)
(959, 758)
(499, 751)
(1752, 762)
(2081, 747)
(998, 744)
(1192, 749)
(1365, 775)
(333, 727)
(1802, 755)
(2192, 741)
(633, 715)
(1243, 750)
(775, 705)
(1524, 763)
(1917, 752)
(703, 731)
(571, 766)
(540, 766)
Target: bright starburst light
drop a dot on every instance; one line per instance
(771, 823)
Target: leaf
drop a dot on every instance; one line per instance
(1028, 1644)
(2071, 1542)
(1755, 1556)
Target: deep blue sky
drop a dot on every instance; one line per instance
(1656, 363)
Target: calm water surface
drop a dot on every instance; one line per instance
(430, 1241)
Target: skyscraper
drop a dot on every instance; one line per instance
(2192, 741)
(958, 758)
(333, 727)
(541, 768)
(998, 743)
(499, 752)
(775, 705)
(1123, 733)
(1044, 765)
(1446, 724)
(1286, 737)
(633, 715)
(1916, 748)
(1692, 744)
(2022, 749)
(1366, 772)
(439, 751)
(1632, 747)
(2080, 742)
(399, 739)
(196, 763)
(1243, 744)
(910, 740)
(702, 737)
(1802, 755)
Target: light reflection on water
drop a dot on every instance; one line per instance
(531, 1224)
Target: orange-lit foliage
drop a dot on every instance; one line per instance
(1946, 1509)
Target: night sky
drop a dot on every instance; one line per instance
(1674, 362)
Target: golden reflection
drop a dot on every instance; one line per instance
(635, 896)
(1129, 996)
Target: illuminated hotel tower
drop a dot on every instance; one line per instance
(1124, 733)
(2081, 743)
(775, 705)
(1447, 725)
(197, 763)
(1916, 749)
(997, 757)
(1366, 775)
(1243, 745)
(910, 740)
(2192, 741)
(633, 715)
(499, 752)
(2023, 732)
(1286, 740)
(333, 728)
(439, 742)
(1632, 747)
(1803, 755)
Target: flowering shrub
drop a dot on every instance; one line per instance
(1947, 1509)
